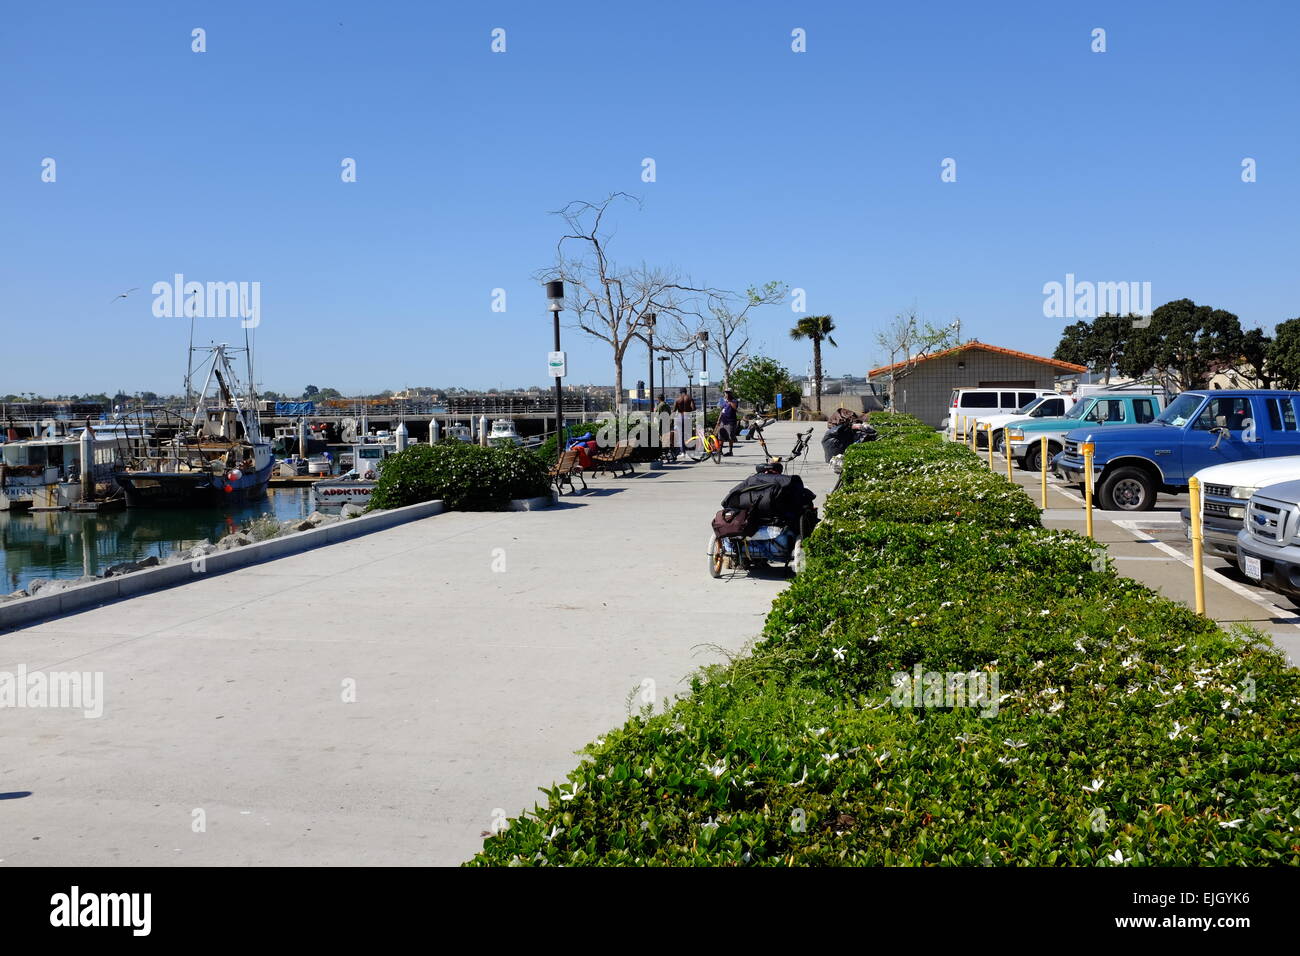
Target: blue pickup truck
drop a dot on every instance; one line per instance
(1133, 463)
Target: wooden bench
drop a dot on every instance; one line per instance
(563, 472)
(620, 457)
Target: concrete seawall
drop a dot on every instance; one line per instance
(40, 607)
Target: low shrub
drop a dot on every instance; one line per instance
(1119, 727)
(948, 494)
(466, 477)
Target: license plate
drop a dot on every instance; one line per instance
(1251, 567)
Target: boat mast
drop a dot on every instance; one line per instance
(189, 363)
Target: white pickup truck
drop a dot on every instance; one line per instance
(1268, 546)
(1225, 490)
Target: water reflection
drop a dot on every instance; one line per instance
(64, 544)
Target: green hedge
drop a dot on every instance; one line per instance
(467, 477)
(1125, 724)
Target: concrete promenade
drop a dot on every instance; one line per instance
(484, 649)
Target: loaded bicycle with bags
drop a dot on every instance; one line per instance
(763, 521)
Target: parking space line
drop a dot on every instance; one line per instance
(1289, 616)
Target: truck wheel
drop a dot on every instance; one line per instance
(1128, 489)
(1033, 458)
(998, 437)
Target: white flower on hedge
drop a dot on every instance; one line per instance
(1117, 857)
(717, 769)
(1015, 744)
(1177, 731)
(573, 793)
(1094, 786)
(831, 758)
(801, 779)
(1232, 824)
(712, 824)
(839, 653)
(1008, 761)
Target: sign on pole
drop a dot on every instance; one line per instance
(704, 377)
(555, 365)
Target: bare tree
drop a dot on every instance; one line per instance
(728, 322)
(912, 338)
(608, 301)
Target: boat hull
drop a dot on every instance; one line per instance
(179, 489)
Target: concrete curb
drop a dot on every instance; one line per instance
(37, 608)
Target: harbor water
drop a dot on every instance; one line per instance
(65, 544)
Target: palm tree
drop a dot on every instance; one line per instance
(817, 328)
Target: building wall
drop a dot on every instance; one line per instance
(926, 391)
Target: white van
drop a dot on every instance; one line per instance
(971, 403)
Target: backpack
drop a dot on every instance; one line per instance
(728, 523)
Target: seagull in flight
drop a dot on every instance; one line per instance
(124, 294)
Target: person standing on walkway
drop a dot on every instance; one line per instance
(683, 408)
(727, 421)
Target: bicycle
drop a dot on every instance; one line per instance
(709, 445)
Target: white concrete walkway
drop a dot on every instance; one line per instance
(473, 686)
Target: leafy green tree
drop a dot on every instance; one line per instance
(1183, 345)
(1098, 344)
(817, 329)
(1283, 354)
(759, 379)
(310, 391)
(1254, 350)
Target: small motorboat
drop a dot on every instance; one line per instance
(503, 433)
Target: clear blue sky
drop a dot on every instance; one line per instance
(820, 169)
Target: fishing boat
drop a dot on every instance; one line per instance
(220, 457)
(45, 473)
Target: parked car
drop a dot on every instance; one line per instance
(983, 402)
(1044, 406)
(1121, 408)
(1225, 492)
(1268, 546)
(1132, 464)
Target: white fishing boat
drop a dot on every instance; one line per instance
(45, 473)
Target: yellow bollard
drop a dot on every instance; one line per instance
(1042, 457)
(1198, 573)
(1087, 483)
(988, 440)
(971, 435)
(1006, 448)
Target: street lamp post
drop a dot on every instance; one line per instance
(555, 295)
(703, 336)
(650, 320)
